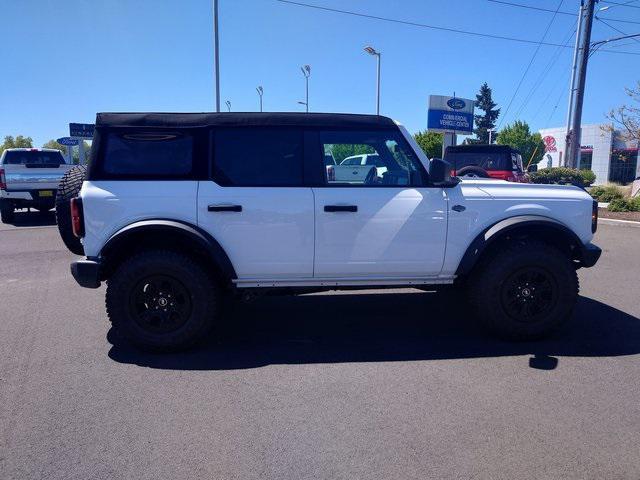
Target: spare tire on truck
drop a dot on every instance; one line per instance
(69, 188)
(473, 172)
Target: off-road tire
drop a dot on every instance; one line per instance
(472, 171)
(123, 307)
(493, 295)
(69, 188)
(7, 214)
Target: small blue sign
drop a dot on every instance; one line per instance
(459, 122)
(68, 141)
(456, 103)
(81, 130)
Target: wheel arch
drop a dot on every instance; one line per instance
(523, 226)
(163, 233)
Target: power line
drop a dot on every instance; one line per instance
(434, 27)
(553, 111)
(544, 73)
(615, 29)
(626, 4)
(530, 7)
(533, 57)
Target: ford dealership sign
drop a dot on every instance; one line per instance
(450, 114)
(456, 103)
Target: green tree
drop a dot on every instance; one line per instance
(53, 144)
(628, 116)
(519, 136)
(19, 141)
(486, 121)
(430, 142)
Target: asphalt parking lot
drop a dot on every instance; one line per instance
(349, 385)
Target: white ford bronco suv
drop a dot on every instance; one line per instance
(179, 212)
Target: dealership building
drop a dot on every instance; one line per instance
(602, 150)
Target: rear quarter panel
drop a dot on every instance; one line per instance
(110, 205)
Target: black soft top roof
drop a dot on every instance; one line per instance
(327, 120)
(480, 149)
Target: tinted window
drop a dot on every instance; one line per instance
(485, 160)
(258, 157)
(352, 161)
(18, 157)
(149, 154)
(390, 160)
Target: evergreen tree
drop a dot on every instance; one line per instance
(487, 121)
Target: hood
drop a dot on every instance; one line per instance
(504, 189)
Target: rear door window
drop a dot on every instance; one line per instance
(149, 154)
(33, 157)
(258, 157)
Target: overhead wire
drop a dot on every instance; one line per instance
(538, 82)
(541, 9)
(433, 27)
(526, 70)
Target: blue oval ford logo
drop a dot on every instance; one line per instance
(456, 103)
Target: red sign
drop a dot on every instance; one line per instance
(549, 144)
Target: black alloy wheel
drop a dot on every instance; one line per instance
(160, 304)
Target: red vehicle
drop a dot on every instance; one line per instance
(487, 161)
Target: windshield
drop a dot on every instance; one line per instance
(484, 160)
(33, 157)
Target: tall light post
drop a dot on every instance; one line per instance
(260, 91)
(372, 51)
(306, 71)
(228, 103)
(216, 57)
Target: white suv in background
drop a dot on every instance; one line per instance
(181, 211)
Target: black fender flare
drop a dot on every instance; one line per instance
(203, 239)
(492, 233)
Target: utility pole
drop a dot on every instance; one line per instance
(574, 135)
(572, 90)
(216, 48)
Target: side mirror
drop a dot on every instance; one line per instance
(440, 173)
(532, 168)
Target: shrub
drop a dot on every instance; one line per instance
(624, 205)
(588, 177)
(564, 176)
(606, 193)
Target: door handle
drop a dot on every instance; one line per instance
(224, 208)
(340, 208)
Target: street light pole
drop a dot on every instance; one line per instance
(306, 71)
(216, 48)
(372, 51)
(260, 93)
(228, 103)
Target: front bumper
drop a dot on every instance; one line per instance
(590, 255)
(86, 272)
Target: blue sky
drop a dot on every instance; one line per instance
(65, 60)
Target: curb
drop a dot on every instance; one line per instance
(614, 221)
